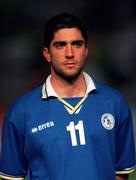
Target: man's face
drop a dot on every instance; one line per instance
(67, 53)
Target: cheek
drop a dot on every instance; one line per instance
(83, 55)
(56, 56)
(82, 58)
(55, 59)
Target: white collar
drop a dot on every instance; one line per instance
(48, 91)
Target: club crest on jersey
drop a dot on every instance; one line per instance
(108, 121)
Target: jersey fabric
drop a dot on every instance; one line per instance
(84, 138)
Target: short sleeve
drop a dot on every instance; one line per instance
(13, 164)
(125, 148)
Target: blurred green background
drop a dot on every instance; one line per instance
(133, 176)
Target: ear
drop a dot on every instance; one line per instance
(86, 51)
(46, 54)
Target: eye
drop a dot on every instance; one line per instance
(59, 45)
(78, 44)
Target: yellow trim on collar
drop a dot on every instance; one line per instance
(73, 108)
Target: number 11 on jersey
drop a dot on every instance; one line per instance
(72, 128)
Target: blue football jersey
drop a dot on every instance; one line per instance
(53, 138)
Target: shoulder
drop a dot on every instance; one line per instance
(29, 97)
(114, 101)
(108, 92)
(111, 96)
(18, 111)
(25, 102)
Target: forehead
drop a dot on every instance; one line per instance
(68, 34)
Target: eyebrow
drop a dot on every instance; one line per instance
(73, 42)
(80, 42)
(59, 42)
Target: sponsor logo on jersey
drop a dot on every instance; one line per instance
(108, 121)
(42, 127)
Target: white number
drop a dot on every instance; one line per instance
(72, 128)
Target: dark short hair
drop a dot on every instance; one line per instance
(60, 21)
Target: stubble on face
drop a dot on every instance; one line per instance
(69, 74)
(68, 54)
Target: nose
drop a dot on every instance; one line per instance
(69, 53)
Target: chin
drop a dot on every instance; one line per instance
(70, 76)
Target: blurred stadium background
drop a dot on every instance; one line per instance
(112, 42)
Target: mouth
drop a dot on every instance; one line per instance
(70, 64)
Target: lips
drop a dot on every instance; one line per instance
(70, 64)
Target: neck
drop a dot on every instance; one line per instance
(75, 88)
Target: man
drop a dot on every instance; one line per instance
(71, 128)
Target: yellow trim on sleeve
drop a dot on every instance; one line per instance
(11, 178)
(125, 172)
